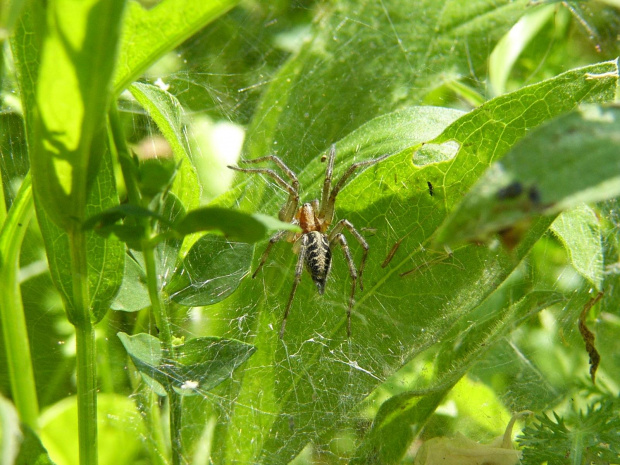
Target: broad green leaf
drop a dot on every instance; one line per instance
(532, 106)
(370, 58)
(120, 430)
(608, 336)
(579, 229)
(150, 33)
(211, 271)
(133, 294)
(26, 47)
(235, 225)
(402, 417)
(315, 377)
(146, 353)
(200, 364)
(9, 13)
(72, 93)
(570, 160)
(105, 257)
(166, 111)
(512, 45)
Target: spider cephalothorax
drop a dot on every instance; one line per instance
(313, 243)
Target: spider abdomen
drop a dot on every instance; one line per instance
(318, 258)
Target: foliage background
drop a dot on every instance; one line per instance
(293, 78)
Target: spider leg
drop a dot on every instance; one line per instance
(287, 213)
(352, 272)
(272, 240)
(337, 230)
(299, 268)
(327, 207)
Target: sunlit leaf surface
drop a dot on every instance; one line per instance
(315, 368)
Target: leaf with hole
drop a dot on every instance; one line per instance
(414, 300)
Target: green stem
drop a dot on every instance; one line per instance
(85, 348)
(165, 335)
(147, 401)
(124, 156)
(17, 346)
(176, 414)
(157, 304)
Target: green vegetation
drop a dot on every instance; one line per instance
(132, 330)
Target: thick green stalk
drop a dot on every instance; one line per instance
(16, 341)
(85, 348)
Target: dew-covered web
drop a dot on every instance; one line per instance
(424, 313)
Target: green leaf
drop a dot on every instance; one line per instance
(150, 33)
(74, 75)
(382, 57)
(570, 160)
(105, 257)
(579, 229)
(116, 213)
(209, 361)
(199, 365)
(9, 13)
(235, 225)
(10, 427)
(396, 317)
(133, 294)
(590, 436)
(32, 451)
(167, 113)
(120, 430)
(211, 271)
(512, 45)
(34, 72)
(402, 417)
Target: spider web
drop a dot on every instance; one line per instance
(312, 396)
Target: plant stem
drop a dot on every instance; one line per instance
(158, 306)
(123, 155)
(85, 349)
(176, 413)
(17, 346)
(165, 335)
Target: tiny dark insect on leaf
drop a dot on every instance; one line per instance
(511, 191)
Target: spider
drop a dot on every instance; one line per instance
(314, 242)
